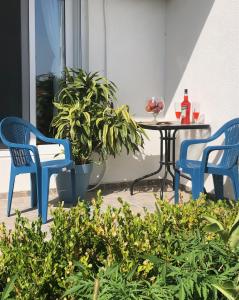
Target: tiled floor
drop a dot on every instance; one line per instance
(145, 197)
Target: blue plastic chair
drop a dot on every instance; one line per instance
(227, 166)
(15, 134)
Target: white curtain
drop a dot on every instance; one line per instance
(51, 12)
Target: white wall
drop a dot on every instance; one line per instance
(136, 50)
(202, 49)
(202, 54)
(134, 41)
(22, 182)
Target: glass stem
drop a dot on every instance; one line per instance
(155, 117)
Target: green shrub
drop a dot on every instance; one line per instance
(86, 115)
(162, 253)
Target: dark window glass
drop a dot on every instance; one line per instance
(10, 59)
(50, 58)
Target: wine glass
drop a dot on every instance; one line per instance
(155, 105)
(196, 111)
(177, 108)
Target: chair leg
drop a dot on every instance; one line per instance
(73, 186)
(197, 186)
(10, 193)
(235, 183)
(33, 190)
(39, 192)
(44, 194)
(176, 186)
(218, 186)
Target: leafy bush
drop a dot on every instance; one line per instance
(230, 236)
(85, 115)
(115, 254)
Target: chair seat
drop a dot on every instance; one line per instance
(194, 165)
(57, 164)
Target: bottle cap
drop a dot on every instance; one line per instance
(185, 91)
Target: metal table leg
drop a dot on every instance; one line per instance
(164, 139)
(153, 173)
(169, 141)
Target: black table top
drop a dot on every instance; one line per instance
(172, 126)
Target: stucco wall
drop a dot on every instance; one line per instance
(202, 47)
(131, 52)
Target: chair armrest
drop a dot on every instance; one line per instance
(209, 149)
(185, 144)
(67, 147)
(31, 148)
(64, 142)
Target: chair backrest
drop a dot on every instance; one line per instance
(17, 131)
(231, 132)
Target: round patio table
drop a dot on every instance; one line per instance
(167, 131)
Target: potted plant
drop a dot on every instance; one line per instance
(85, 114)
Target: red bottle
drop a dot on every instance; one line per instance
(185, 109)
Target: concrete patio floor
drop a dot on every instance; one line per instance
(143, 197)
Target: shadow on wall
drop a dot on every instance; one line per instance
(192, 134)
(185, 20)
(139, 165)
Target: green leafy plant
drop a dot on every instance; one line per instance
(229, 290)
(165, 254)
(110, 283)
(87, 117)
(9, 288)
(230, 236)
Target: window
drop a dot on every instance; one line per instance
(10, 59)
(50, 57)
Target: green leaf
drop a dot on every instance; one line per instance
(234, 236)
(181, 295)
(112, 136)
(126, 115)
(87, 116)
(214, 228)
(98, 121)
(227, 290)
(236, 221)
(9, 288)
(72, 290)
(105, 131)
(214, 221)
